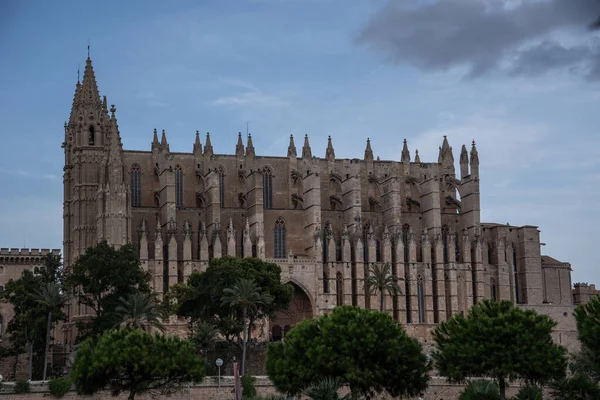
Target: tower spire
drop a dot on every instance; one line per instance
(405, 153)
(474, 160)
(446, 152)
(330, 153)
(464, 162)
(292, 148)
(306, 151)
(417, 158)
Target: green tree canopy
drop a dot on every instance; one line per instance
(587, 317)
(29, 326)
(134, 361)
(139, 311)
(100, 277)
(365, 349)
(203, 298)
(501, 341)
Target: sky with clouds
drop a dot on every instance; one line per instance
(522, 78)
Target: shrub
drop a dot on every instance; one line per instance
(22, 386)
(529, 393)
(59, 386)
(480, 390)
(248, 389)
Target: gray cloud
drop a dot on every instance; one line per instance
(486, 35)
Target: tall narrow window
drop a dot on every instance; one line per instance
(268, 189)
(178, 187)
(445, 232)
(91, 136)
(406, 241)
(516, 275)
(222, 188)
(366, 243)
(378, 251)
(339, 288)
(421, 298)
(136, 188)
(493, 294)
(279, 238)
(325, 282)
(490, 254)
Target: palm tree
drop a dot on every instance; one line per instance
(380, 279)
(51, 297)
(245, 295)
(480, 390)
(204, 336)
(139, 311)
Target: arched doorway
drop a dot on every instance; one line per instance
(300, 309)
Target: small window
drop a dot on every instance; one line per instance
(493, 293)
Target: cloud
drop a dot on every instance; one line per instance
(251, 96)
(527, 37)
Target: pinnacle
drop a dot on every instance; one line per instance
(306, 151)
(329, 153)
(405, 153)
(292, 148)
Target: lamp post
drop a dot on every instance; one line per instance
(219, 362)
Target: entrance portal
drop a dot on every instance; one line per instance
(300, 309)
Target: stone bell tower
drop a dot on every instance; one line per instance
(95, 194)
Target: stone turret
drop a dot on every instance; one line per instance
(329, 153)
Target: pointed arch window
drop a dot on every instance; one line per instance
(222, 187)
(339, 289)
(406, 241)
(421, 299)
(268, 189)
(279, 238)
(91, 135)
(136, 187)
(179, 186)
(493, 293)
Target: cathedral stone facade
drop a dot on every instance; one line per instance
(324, 220)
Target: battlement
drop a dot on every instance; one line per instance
(16, 252)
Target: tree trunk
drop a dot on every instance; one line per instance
(244, 343)
(15, 365)
(30, 361)
(502, 385)
(131, 394)
(48, 326)
(381, 300)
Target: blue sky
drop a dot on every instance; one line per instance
(524, 87)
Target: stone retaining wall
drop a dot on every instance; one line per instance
(438, 390)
